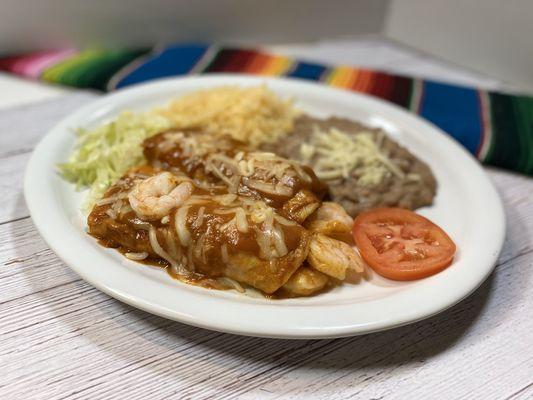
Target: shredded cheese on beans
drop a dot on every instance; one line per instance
(337, 155)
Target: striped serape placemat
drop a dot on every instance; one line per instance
(495, 127)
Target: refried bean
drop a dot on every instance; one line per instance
(390, 192)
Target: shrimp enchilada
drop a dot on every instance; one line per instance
(208, 188)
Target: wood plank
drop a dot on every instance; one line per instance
(467, 351)
(11, 186)
(22, 127)
(28, 265)
(15, 148)
(515, 192)
(72, 340)
(525, 393)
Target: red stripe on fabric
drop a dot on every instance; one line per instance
(382, 85)
(362, 84)
(257, 63)
(7, 63)
(401, 91)
(240, 60)
(230, 60)
(371, 83)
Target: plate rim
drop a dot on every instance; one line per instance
(40, 211)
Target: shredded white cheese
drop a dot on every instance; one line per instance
(337, 155)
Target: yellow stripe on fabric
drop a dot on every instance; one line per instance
(343, 77)
(277, 66)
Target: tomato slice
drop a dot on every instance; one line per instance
(401, 245)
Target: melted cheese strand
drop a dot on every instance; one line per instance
(181, 228)
(152, 235)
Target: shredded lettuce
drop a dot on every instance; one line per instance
(102, 155)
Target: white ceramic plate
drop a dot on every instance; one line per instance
(467, 206)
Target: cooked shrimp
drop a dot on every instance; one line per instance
(301, 206)
(155, 197)
(305, 281)
(332, 220)
(333, 257)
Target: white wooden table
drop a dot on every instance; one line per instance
(60, 338)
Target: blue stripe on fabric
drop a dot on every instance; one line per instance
(172, 61)
(307, 71)
(455, 110)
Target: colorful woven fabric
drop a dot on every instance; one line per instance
(497, 128)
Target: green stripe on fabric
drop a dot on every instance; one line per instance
(524, 116)
(505, 144)
(91, 68)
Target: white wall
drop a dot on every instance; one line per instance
(492, 36)
(26, 24)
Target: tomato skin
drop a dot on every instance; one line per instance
(402, 245)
